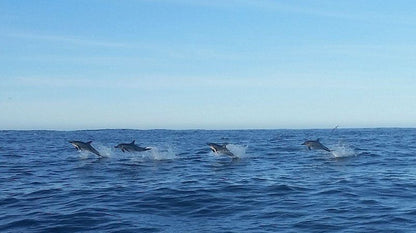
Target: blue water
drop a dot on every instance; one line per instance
(366, 184)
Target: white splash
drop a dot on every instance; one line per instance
(104, 151)
(157, 154)
(238, 150)
(342, 151)
(84, 155)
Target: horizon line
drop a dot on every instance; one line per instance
(214, 129)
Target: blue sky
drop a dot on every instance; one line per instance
(214, 64)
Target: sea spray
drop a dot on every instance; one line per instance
(342, 151)
(238, 150)
(165, 154)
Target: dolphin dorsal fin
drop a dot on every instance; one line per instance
(133, 142)
(318, 139)
(89, 142)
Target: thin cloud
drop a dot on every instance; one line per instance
(67, 39)
(288, 81)
(146, 50)
(147, 82)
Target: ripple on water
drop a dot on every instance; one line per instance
(276, 186)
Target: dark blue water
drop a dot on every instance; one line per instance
(367, 184)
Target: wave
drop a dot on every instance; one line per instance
(178, 186)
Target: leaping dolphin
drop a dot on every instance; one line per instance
(220, 149)
(315, 144)
(84, 146)
(131, 147)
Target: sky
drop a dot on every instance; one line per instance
(207, 64)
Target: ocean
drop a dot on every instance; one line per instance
(367, 183)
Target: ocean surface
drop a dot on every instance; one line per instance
(367, 183)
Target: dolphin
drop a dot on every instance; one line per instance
(84, 146)
(131, 147)
(221, 149)
(315, 144)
